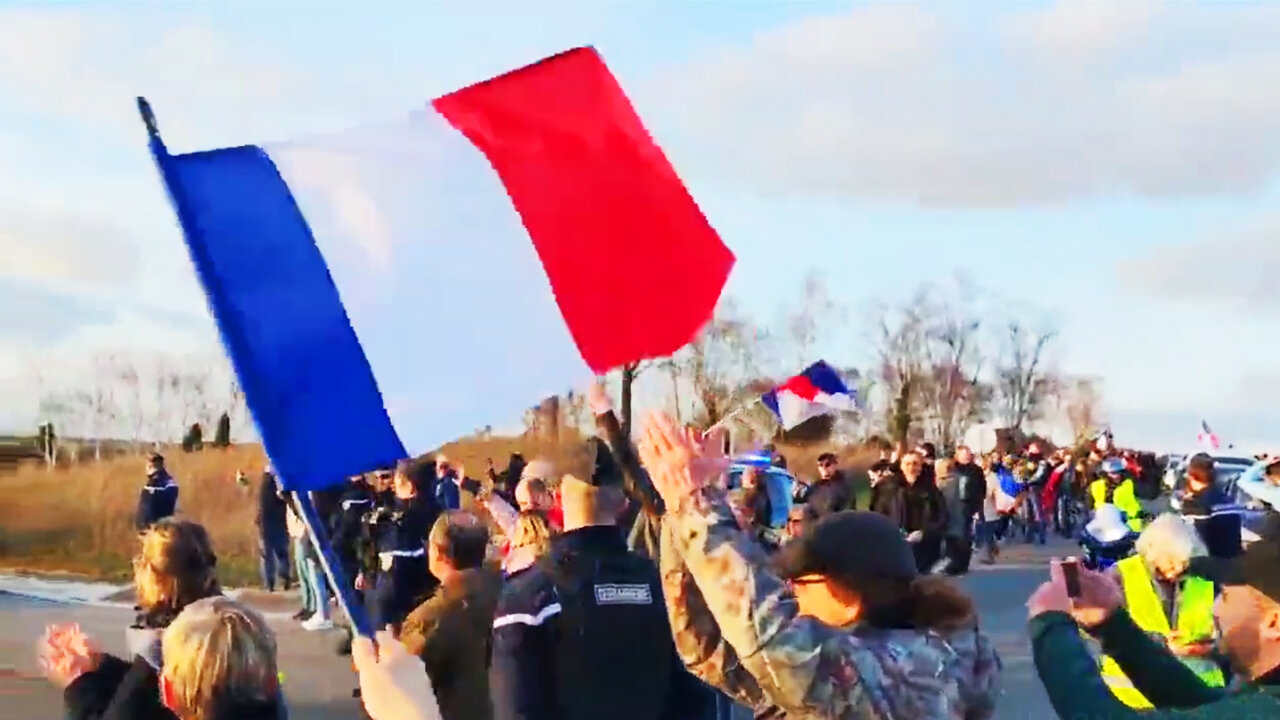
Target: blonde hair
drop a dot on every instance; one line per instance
(175, 566)
(532, 530)
(219, 655)
(941, 467)
(1172, 538)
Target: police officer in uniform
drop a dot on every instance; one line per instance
(400, 531)
(583, 634)
(348, 526)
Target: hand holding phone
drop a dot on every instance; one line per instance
(1071, 576)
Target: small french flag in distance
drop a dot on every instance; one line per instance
(1207, 438)
(818, 390)
(388, 289)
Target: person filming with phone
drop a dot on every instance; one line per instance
(1246, 615)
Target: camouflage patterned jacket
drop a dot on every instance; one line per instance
(737, 627)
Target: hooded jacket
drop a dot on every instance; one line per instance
(737, 626)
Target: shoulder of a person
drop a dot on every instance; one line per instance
(526, 590)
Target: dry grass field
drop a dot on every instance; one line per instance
(79, 519)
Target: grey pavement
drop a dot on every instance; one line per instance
(318, 683)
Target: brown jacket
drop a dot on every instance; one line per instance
(450, 632)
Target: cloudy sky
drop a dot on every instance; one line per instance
(1111, 168)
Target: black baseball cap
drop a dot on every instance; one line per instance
(849, 546)
(1258, 566)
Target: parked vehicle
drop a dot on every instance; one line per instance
(777, 482)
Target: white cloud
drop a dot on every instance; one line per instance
(1085, 30)
(87, 66)
(58, 249)
(1075, 101)
(28, 370)
(1237, 268)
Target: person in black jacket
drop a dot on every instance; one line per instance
(176, 567)
(273, 532)
(159, 496)
(887, 488)
(1216, 516)
(347, 526)
(584, 633)
(400, 533)
(924, 512)
(831, 492)
(503, 483)
(973, 491)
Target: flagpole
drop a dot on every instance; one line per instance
(332, 568)
(338, 580)
(730, 416)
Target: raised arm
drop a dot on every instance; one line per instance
(698, 641)
(638, 485)
(803, 666)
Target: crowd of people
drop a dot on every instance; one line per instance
(633, 581)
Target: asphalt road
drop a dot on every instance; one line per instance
(318, 683)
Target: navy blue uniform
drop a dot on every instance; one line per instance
(347, 529)
(157, 501)
(401, 538)
(584, 634)
(1218, 520)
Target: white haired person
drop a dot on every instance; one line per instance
(1246, 613)
(174, 568)
(1167, 601)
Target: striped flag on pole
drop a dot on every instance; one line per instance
(1207, 438)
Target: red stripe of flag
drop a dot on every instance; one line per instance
(635, 267)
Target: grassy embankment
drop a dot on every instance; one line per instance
(79, 519)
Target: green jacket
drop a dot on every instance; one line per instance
(1076, 690)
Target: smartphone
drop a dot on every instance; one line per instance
(1071, 576)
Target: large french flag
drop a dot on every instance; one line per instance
(385, 290)
(818, 390)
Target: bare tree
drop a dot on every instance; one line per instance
(1080, 399)
(133, 409)
(804, 324)
(719, 360)
(952, 394)
(104, 406)
(237, 408)
(55, 409)
(627, 375)
(1022, 383)
(902, 343)
(191, 381)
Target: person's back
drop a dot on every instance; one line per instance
(273, 510)
(574, 635)
(583, 634)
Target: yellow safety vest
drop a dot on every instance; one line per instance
(1195, 622)
(1125, 500)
